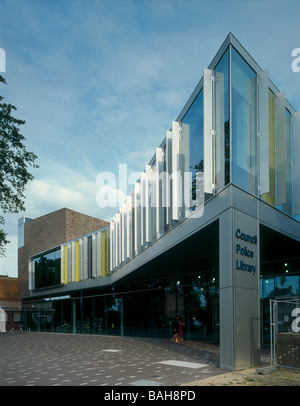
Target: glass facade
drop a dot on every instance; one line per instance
(47, 270)
(143, 309)
(279, 273)
(244, 131)
(285, 285)
(194, 118)
(224, 157)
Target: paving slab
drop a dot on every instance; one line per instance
(55, 359)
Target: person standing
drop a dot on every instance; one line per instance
(175, 327)
(181, 325)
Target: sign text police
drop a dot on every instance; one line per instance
(243, 249)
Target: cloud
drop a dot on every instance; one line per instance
(45, 196)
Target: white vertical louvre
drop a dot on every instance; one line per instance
(154, 198)
(81, 260)
(143, 205)
(129, 227)
(219, 131)
(186, 183)
(94, 255)
(176, 181)
(148, 217)
(107, 264)
(112, 246)
(159, 192)
(117, 240)
(263, 131)
(123, 232)
(208, 130)
(31, 274)
(72, 262)
(115, 245)
(281, 148)
(296, 162)
(137, 217)
(62, 264)
(167, 186)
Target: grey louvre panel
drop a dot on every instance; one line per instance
(296, 160)
(208, 130)
(263, 130)
(280, 148)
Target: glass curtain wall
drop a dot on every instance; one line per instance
(47, 269)
(194, 118)
(147, 311)
(280, 280)
(222, 156)
(244, 132)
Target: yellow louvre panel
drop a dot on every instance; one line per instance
(77, 261)
(104, 253)
(98, 260)
(65, 264)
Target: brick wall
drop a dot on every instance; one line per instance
(49, 231)
(8, 288)
(10, 302)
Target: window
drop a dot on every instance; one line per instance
(47, 269)
(21, 223)
(223, 68)
(244, 133)
(16, 317)
(194, 118)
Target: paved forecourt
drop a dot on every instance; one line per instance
(53, 359)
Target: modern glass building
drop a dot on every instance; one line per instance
(210, 230)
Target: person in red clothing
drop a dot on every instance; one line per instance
(181, 326)
(175, 326)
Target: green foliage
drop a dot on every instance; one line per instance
(14, 163)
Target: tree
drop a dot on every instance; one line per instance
(14, 163)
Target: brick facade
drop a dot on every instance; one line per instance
(49, 231)
(10, 303)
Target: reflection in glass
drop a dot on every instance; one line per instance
(47, 269)
(286, 285)
(223, 67)
(194, 118)
(244, 139)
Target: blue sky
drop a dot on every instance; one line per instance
(100, 81)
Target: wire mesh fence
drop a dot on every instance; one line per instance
(285, 333)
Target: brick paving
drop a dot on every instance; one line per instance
(52, 359)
